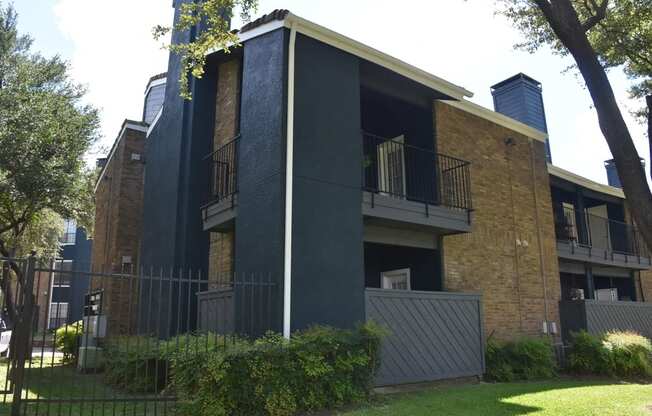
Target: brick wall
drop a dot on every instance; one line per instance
(118, 226)
(501, 257)
(227, 107)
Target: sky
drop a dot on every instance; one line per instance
(111, 50)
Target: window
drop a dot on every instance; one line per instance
(391, 167)
(58, 314)
(396, 279)
(69, 232)
(63, 273)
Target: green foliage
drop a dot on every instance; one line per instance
(619, 354)
(620, 32)
(67, 341)
(45, 130)
(319, 368)
(139, 364)
(524, 359)
(588, 355)
(215, 15)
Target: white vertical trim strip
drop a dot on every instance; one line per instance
(289, 157)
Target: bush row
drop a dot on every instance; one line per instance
(523, 359)
(319, 368)
(616, 354)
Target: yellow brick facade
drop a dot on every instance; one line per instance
(227, 107)
(510, 255)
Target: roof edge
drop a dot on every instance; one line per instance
(498, 118)
(126, 124)
(585, 182)
(283, 18)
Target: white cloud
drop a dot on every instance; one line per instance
(114, 53)
(461, 41)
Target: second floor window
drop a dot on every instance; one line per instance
(62, 274)
(69, 232)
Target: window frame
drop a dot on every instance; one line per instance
(387, 276)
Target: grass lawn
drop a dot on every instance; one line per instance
(557, 397)
(56, 381)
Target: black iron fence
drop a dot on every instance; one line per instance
(588, 230)
(223, 171)
(119, 358)
(397, 169)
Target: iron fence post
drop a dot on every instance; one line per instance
(23, 330)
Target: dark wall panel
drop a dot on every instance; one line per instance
(175, 177)
(260, 221)
(327, 266)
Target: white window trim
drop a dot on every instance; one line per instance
(55, 271)
(56, 307)
(393, 273)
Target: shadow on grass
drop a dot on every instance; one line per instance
(62, 390)
(503, 399)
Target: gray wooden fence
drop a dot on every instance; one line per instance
(433, 335)
(216, 311)
(599, 317)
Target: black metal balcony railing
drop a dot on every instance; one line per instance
(599, 233)
(223, 171)
(399, 170)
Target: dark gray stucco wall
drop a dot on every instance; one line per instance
(327, 256)
(261, 162)
(175, 177)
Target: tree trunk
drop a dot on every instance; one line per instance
(648, 100)
(564, 21)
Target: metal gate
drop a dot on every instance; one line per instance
(116, 357)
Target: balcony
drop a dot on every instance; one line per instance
(589, 238)
(220, 211)
(408, 184)
(597, 317)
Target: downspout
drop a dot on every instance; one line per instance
(539, 239)
(289, 156)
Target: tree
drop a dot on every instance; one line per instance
(215, 18)
(45, 130)
(600, 34)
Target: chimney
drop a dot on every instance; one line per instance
(612, 173)
(520, 97)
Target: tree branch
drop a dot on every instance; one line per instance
(599, 14)
(648, 100)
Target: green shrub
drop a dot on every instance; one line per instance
(319, 368)
(134, 364)
(524, 359)
(67, 341)
(588, 355)
(631, 354)
(620, 354)
(139, 364)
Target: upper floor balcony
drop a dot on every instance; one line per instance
(221, 209)
(409, 184)
(590, 238)
(401, 183)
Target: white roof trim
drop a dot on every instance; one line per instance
(155, 83)
(585, 182)
(151, 126)
(126, 125)
(498, 118)
(360, 50)
(363, 51)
